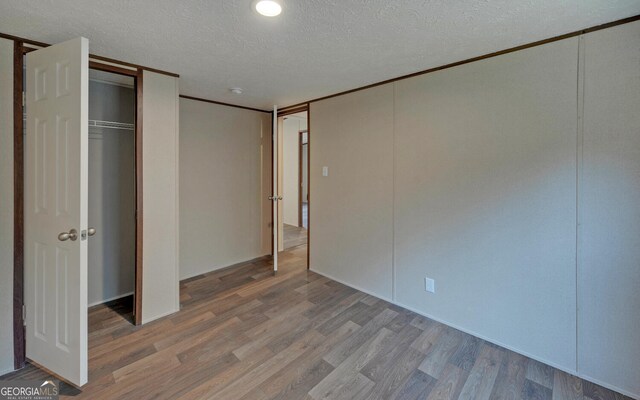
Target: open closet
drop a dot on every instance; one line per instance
(112, 190)
(78, 158)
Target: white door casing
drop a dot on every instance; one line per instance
(56, 197)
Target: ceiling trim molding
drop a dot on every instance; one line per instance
(93, 56)
(114, 69)
(470, 60)
(184, 96)
(294, 109)
(23, 40)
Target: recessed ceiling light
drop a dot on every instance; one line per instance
(268, 8)
(236, 90)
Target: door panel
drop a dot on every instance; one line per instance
(56, 202)
(275, 193)
(280, 219)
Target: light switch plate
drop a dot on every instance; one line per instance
(429, 285)
(325, 171)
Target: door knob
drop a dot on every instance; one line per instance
(91, 231)
(72, 234)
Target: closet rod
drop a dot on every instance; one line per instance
(94, 123)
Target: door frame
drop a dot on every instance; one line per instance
(19, 50)
(300, 174)
(138, 88)
(293, 110)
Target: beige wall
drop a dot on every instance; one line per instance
(474, 176)
(160, 294)
(485, 198)
(351, 210)
(225, 179)
(609, 210)
(6, 205)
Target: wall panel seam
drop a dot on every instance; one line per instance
(177, 192)
(579, 172)
(393, 197)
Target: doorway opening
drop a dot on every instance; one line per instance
(303, 213)
(293, 183)
(114, 179)
(112, 193)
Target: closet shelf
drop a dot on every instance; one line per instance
(99, 124)
(111, 125)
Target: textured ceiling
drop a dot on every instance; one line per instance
(314, 48)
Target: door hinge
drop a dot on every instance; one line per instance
(24, 315)
(24, 99)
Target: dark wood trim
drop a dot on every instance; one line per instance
(308, 185)
(18, 207)
(22, 41)
(300, 181)
(128, 64)
(304, 104)
(113, 69)
(137, 298)
(470, 60)
(184, 96)
(95, 57)
(293, 110)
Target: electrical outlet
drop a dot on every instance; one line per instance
(429, 285)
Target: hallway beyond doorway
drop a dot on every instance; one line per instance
(294, 236)
(305, 215)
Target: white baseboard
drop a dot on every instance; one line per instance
(608, 386)
(146, 321)
(217, 268)
(472, 333)
(352, 286)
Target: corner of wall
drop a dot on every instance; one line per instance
(177, 178)
(160, 293)
(6, 205)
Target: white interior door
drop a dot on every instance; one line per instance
(275, 196)
(280, 137)
(55, 212)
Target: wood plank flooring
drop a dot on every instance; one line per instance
(293, 236)
(243, 334)
(305, 215)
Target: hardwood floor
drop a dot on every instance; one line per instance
(243, 333)
(293, 236)
(305, 215)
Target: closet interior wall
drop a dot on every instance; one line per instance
(111, 186)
